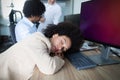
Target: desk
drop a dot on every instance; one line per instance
(68, 72)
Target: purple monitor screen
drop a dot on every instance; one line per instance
(100, 21)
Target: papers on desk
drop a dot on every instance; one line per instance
(116, 50)
(86, 47)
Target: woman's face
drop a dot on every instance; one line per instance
(60, 43)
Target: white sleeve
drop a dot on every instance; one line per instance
(57, 15)
(50, 65)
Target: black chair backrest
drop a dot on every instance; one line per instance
(12, 32)
(13, 18)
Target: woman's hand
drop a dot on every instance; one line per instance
(42, 19)
(61, 55)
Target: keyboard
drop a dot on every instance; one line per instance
(80, 61)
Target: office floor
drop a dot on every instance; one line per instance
(5, 43)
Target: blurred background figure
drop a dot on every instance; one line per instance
(52, 14)
(33, 11)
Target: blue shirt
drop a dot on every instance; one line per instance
(24, 28)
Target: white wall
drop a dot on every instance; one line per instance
(77, 6)
(66, 8)
(18, 5)
(5, 10)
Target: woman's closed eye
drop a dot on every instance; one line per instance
(63, 43)
(63, 49)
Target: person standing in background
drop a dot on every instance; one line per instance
(52, 14)
(33, 11)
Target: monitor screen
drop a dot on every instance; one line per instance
(100, 21)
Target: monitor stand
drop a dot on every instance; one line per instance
(104, 57)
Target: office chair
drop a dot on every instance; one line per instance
(12, 32)
(13, 19)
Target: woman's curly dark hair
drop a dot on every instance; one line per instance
(70, 30)
(33, 8)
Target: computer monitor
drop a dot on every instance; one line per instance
(100, 22)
